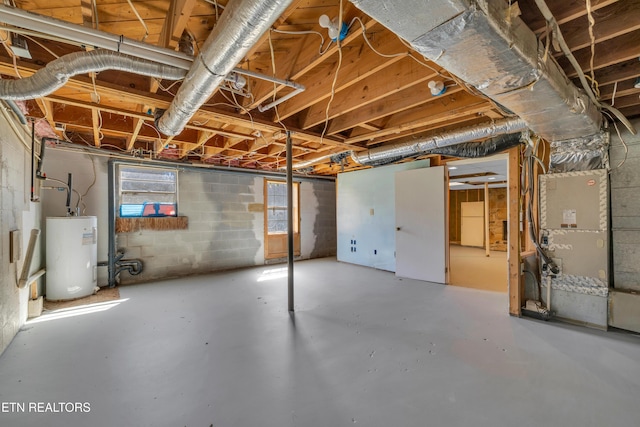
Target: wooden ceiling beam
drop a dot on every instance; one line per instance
(401, 75)
(563, 11)
(357, 65)
(625, 70)
(395, 103)
(610, 22)
(176, 22)
(97, 124)
(131, 139)
(611, 52)
(460, 104)
(308, 60)
(118, 94)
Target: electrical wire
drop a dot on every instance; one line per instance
(321, 51)
(144, 25)
(42, 46)
(622, 141)
(613, 96)
(592, 22)
(335, 78)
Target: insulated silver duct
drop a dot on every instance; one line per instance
(491, 48)
(242, 23)
(57, 72)
(401, 150)
(488, 147)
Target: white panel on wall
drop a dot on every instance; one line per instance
(472, 224)
(366, 215)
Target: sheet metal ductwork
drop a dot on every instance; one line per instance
(489, 147)
(483, 44)
(241, 25)
(397, 151)
(60, 70)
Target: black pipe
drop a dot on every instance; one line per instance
(290, 220)
(33, 159)
(69, 184)
(480, 149)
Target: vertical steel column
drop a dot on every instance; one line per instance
(290, 219)
(111, 260)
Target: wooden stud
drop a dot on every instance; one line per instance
(516, 293)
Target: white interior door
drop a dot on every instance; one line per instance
(421, 224)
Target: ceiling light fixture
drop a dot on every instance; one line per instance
(637, 83)
(453, 168)
(334, 28)
(437, 87)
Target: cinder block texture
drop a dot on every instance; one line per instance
(225, 228)
(16, 213)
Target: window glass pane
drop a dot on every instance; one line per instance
(276, 207)
(148, 186)
(147, 191)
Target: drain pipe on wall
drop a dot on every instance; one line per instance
(115, 264)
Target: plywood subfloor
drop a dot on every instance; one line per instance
(471, 268)
(364, 348)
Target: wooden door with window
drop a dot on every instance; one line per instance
(275, 219)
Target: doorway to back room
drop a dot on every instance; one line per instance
(478, 218)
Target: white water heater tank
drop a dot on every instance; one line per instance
(72, 257)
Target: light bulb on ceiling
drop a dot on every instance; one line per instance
(333, 27)
(437, 87)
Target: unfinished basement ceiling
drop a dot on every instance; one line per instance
(373, 100)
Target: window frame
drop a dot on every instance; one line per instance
(120, 192)
(296, 207)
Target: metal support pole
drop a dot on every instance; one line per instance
(290, 219)
(112, 224)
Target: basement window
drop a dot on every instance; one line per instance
(277, 207)
(147, 192)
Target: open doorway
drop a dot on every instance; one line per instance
(478, 215)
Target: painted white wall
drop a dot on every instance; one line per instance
(17, 212)
(366, 215)
(57, 164)
(308, 213)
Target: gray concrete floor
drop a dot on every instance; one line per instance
(365, 348)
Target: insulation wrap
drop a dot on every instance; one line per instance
(57, 72)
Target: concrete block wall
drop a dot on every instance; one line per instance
(225, 212)
(226, 226)
(17, 212)
(625, 209)
(318, 219)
